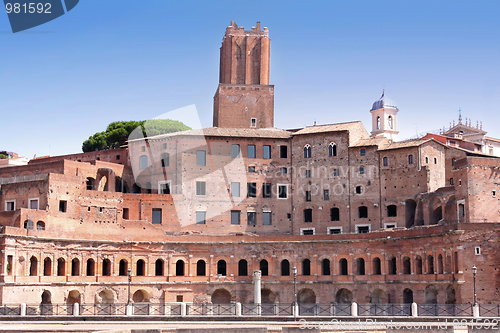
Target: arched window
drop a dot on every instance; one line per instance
(440, 264)
(360, 262)
(28, 224)
(285, 268)
(332, 149)
(307, 151)
(343, 267)
(453, 160)
(306, 267)
(221, 268)
(378, 123)
(61, 267)
(377, 269)
(430, 264)
(143, 162)
(139, 267)
(90, 267)
(122, 267)
(264, 267)
(179, 268)
(390, 122)
(201, 268)
(75, 267)
(33, 266)
(392, 266)
(159, 267)
(106, 267)
(40, 225)
(410, 159)
(406, 265)
(325, 267)
(47, 267)
(418, 265)
(242, 268)
(386, 161)
(362, 170)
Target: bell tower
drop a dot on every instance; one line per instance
(244, 98)
(384, 118)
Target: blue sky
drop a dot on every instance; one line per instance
(110, 60)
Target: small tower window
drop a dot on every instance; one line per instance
(378, 123)
(390, 122)
(253, 122)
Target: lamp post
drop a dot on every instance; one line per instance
(294, 270)
(474, 271)
(129, 272)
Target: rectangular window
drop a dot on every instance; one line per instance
(10, 205)
(143, 162)
(362, 152)
(253, 122)
(200, 188)
(336, 172)
(266, 218)
(143, 148)
(282, 191)
(235, 151)
(308, 173)
(283, 152)
(308, 215)
(308, 195)
(266, 152)
(334, 214)
(362, 228)
(156, 216)
(251, 151)
(165, 160)
(165, 146)
(284, 170)
(334, 230)
(201, 217)
(251, 169)
(125, 213)
(201, 157)
(235, 217)
(251, 190)
(307, 231)
(266, 190)
(390, 225)
(63, 205)
(235, 189)
(118, 157)
(33, 203)
(251, 218)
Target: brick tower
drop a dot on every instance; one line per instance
(244, 98)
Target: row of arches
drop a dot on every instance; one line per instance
(29, 225)
(416, 265)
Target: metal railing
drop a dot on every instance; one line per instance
(249, 310)
(450, 310)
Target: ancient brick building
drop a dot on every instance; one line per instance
(363, 217)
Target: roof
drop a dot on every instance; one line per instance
(384, 102)
(406, 144)
(355, 128)
(227, 132)
(379, 142)
(487, 138)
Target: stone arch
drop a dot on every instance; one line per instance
(378, 296)
(285, 267)
(407, 296)
(106, 267)
(201, 267)
(406, 265)
(46, 303)
(179, 268)
(306, 267)
(61, 267)
(46, 297)
(140, 296)
(75, 267)
(418, 265)
(267, 296)
(28, 225)
(440, 264)
(360, 266)
(343, 296)
(90, 267)
(264, 267)
(431, 294)
(221, 296)
(410, 211)
(343, 267)
(123, 267)
(159, 266)
(377, 266)
(435, 210)
(105, 296)
(325, 267)
(306, 296)
(221, 267)
(450, 295)
(430, 264)
(74, 296)
(40, 225)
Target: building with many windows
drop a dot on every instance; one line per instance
(193, 214)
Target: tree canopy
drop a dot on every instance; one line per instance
(117, 133)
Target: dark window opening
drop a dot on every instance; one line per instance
(106, 267)
(362, 152)
(392, 266)
(251, 218)
(359, 189)
(326, 195)
(125, 213)
(363, 229)
(363, 212)
(139, 267)
(377, 267)
(251, 190)
(283, 152)
(221, 268)
(264, 267)
(201, 268)
(306, 267)
(63, 205)
(308, 215)
(392, 211)
(360, 262)
(122, 267)
(179, 268)
(334, 214)
(285, 268)
(325, 267)
(343, 267)
(332, 149)
(308, 195)
(242, 268)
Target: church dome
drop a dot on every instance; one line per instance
(384, 102)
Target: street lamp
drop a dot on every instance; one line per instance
(129, 272)
(474, 271)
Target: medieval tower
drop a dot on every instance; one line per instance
(244, 98)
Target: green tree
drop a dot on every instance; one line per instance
(117, 133)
